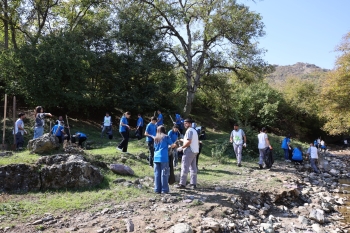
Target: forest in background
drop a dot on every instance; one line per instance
(197, 58)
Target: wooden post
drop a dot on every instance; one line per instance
(4, 127)
(14, 147)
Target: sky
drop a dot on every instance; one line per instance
(302, 30)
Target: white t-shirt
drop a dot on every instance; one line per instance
(322, 143)
(312, 151)
(262, 142)
(192, 134)
(20, 123)
(107, 121)
(237, 136)
(345, 142)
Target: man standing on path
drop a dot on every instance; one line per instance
(19, 131)
(107, 123)
(312, 152)
(139, 125)
(237, 136)
(150, 133)
(190, 150)
(263, 144)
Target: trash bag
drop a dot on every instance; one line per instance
(268, 157)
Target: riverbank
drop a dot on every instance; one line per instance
(286, 198)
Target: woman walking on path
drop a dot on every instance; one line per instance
(39, 121)
(161, 160)
(124, 131)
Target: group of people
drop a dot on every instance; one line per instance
(239, 141)
(163, 145)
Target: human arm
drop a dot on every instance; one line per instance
(268, 142)
(123, 122)
(245, 140)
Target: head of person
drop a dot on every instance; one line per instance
(236, 126)
(263, 129)
(107, 114)
(21, 115)
(154, 120)
(39, 109)
(188, 122)
(60, 118)
(139, 115)
(311, 144)
(159, 112)
(160, 134)
(288, 136)
(175, 128)
(127, 114)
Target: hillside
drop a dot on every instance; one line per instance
(300, 70)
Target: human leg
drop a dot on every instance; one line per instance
(81, 140)
(19, 141)
(313, 163)
(165, 172)
(103, 131)
(193, 169)
(261, 157)
(185, 167)
(38, 132)
(175, 155)
(286, 154)
(157, 178)
(124, 143)
(151, 152)
(238, 152)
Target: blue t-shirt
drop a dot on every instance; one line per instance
(285, 143)
(139, 122)
(82, 135)
(173, 135)
(161, 150)
(177, 119)
(151, 129)
(56, 132)
(297, 154)
(160, 118)
(123, 120)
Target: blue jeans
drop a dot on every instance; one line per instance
(161, 177)
(38, 132)
(286, 154)
(313, 163)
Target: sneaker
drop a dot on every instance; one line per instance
(260, 166)
(288, 161)
(180, 186)
(239, 165)
(193, 186)
(119, 149)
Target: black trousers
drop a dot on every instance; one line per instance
(151, 152)
(124, 143)
(19, 140)
(81, 140)
(139, 132)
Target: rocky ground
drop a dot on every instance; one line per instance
(304, 202)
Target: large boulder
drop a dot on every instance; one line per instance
(68, 171)
(43, 144)
(121, 169)
(19, 178)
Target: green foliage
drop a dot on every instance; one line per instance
(218, 151)
(335, 93)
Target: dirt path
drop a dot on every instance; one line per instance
(283, 196)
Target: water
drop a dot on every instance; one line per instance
(345, 210)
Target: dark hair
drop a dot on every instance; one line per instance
(288, 136)
(160, 134)
(21, 114)
(127, 113)
(188, 120)
(236, 124)
(38, 110)
(153, 118)
(263, 129)
(175, 126)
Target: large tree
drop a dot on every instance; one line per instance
(335, 94)
(207, 36)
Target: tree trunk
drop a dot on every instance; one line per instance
(6, 25)
(189, 101)
(13, 36)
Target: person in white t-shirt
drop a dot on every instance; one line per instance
(190, 149)
(238, 140)
(19, 131)
(312, 152)
(107, 124)
(262, 145)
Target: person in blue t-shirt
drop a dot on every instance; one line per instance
(161, 160)
(150, 133)
(124, 132)
(58, 131)
(139, 127)
(81, 138)
(297, 155)
(285, 147)
(174, 136)
(160, 118)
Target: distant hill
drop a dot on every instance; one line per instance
(300, 70)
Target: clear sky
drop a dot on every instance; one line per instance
(302, 30)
